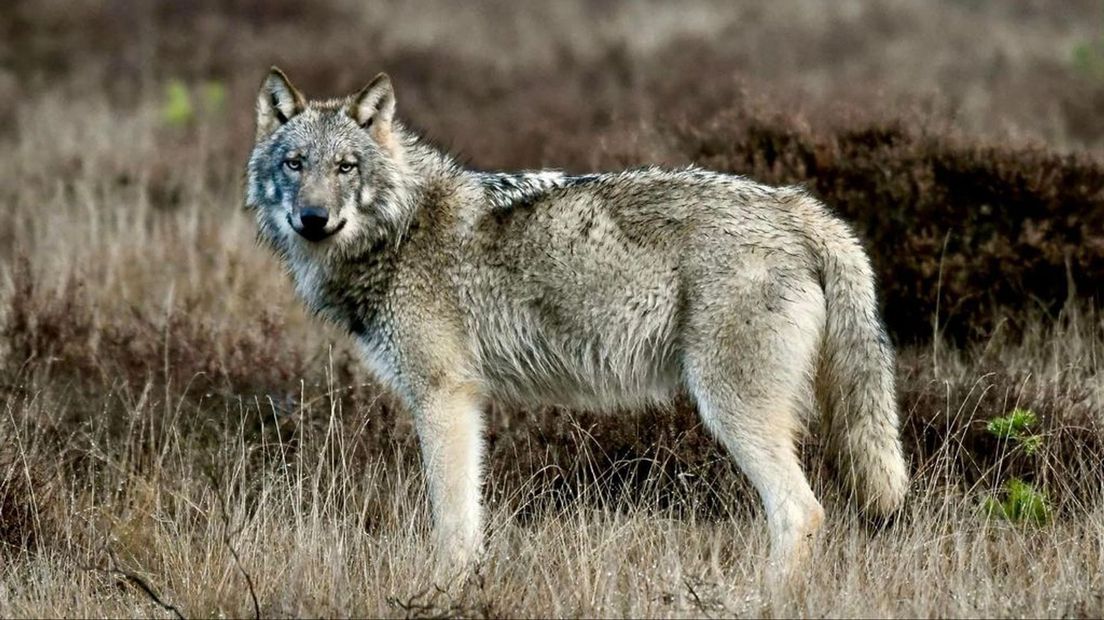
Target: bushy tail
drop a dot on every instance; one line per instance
(855, 382)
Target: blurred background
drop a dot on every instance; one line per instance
(1026, 70)
(883, 108)
(961, 137)
(147, 341)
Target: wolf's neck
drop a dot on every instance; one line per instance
(349, 288)
(425, 164)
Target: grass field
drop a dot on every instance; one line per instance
(173, 421)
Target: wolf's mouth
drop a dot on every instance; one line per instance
(315, 234)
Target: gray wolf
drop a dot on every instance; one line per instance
(601, 291)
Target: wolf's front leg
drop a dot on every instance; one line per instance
(450, 430)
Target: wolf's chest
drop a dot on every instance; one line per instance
(381, 361)
(309, 279)
(352, 304)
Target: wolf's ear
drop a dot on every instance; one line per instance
(374, 107)
(277, 102)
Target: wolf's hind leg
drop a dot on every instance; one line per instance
(764, 451)
(752, 375)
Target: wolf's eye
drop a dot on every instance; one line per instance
(293, 164)
(346, 167)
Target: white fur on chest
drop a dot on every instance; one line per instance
(308, 277)
(379, 357)
(381, 363)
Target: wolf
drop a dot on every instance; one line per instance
(599, 292)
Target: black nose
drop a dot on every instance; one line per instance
(313, 219)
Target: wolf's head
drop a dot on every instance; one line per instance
(325, 174)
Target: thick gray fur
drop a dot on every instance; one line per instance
(602, 291)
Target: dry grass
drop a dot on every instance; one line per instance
(329, 520)
(170, 415)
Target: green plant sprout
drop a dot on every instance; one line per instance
(214, 97)
(1021, 502)
(1088, 59)
(1016, 427)
(178, 109)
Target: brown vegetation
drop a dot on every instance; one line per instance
(167, 405)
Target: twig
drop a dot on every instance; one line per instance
(416, 608)
(245, 573)
(226, 535)
(697, 600)
(427, 604)
(145, 587)
(142, 584)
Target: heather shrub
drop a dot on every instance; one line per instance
(963, 236)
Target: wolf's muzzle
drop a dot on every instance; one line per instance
(311, 223)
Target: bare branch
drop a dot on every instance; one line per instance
(137, 581)
(227, 533)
